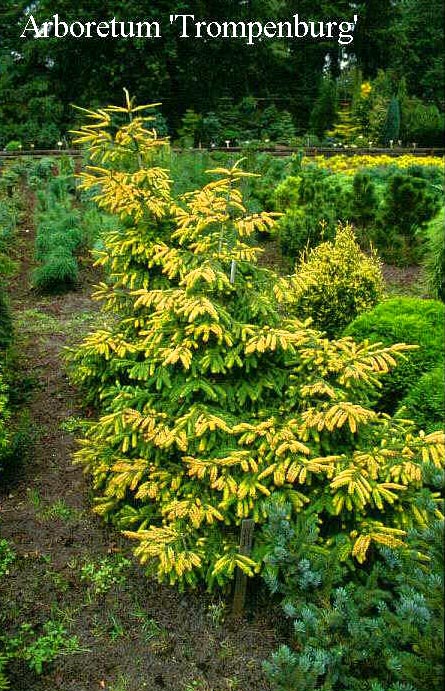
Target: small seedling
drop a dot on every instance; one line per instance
(58, 510)
(34, 497)
(216, 612)
(72, 424)
(60, 582)
(116, 629)
(197, 685)
(149, 627)
(122, 684)
(103, 575)
(51, 644)
(7, 556)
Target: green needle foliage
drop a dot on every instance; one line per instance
(336, 282)
(59, 235)
(378, 629)
(210, 399)
(404, 320)
(435, 258)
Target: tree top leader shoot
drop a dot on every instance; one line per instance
(250, 32)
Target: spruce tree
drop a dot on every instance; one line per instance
(210, 398)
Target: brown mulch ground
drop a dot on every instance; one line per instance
(139, 635)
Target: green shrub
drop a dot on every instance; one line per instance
(364, 201)
(59, 235)
(42, 171)
(60, 270)
(318, 200)
(404, 320)
(287, 193)
(13, 145)
(298, 232)
(378, 629)
(338, 282)
(408, 204)
(271, 171)
(425, 401)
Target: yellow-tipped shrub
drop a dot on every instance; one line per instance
(335, 282)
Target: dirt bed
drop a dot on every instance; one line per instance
(137, 634)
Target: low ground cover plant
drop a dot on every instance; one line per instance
(40, 649)
(210, 401)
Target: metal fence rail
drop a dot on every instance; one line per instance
(275, 151)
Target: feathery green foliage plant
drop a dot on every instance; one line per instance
(425, 401)
(210, 400)
(58, 237)
(435, 255)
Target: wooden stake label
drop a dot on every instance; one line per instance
(245, 548)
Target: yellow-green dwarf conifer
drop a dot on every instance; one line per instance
(210, 400)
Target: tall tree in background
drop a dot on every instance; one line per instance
(421, 49)
(39, 79)
(391, 129)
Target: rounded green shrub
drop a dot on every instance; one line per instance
(337, 281)
(404, 320)
(298, 232)
(313, 206)
(425, 402)
(13, 145)
(287, 193)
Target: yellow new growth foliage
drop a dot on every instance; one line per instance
(336, 281)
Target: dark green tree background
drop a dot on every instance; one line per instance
(40, 79)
